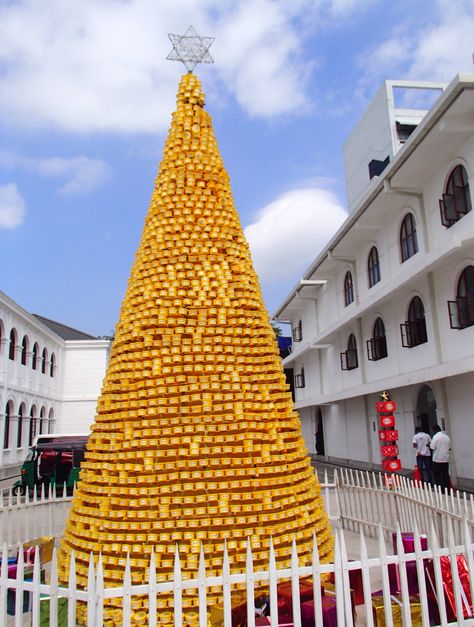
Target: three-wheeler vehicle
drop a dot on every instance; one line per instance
(53, 460)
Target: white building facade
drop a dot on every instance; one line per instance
(389, 303)
(50, 379)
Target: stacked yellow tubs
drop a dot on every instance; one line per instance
(195, 439)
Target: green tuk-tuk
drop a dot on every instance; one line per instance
(53, 460)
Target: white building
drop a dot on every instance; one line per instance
(389, 303)
(50, 379)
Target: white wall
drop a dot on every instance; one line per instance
(85, 364)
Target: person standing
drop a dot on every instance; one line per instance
(440, 445)
(421, 442)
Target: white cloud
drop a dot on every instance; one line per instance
(291, 231)
(81, 173)
(433, 49)
(99, 65)
(12, 206)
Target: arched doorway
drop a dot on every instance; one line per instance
(426, 416)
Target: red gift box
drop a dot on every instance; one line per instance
(387, 421)
(385, 407)
(445, 564)
(329, 612)
(391, 465)
(389, 450)
(285, 596)
(388, 435)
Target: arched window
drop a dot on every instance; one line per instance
(349, 360)
(1, 335)
(6, 430)
(19, 433)
(52, 365)
(461, 310)
(456, 200)
(12, 349)
(34, 358)
(348, 289)
(32, 431)
(42, 425)
(413, 330)
(373, 266)
(50, 420)
(24, 350)
(408, 240)
(377, 345)
(44, 360)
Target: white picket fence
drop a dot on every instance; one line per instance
(356, 501)
(365, 502)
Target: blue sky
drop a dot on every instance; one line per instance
(86, 97)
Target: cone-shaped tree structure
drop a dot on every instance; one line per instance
(195, 438)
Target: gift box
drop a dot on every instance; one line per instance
(387, 421)
(391, 465)
(329, 612)
(285, 604)
(283, 621)
(239, 612)
(385, 407)
(378, 610)
(408, 541)
(46, 546)
(412, 578)
(389, 450)
(45, 609)
(388, 435)
(445, 564)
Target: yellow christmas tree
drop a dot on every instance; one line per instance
(195, 438)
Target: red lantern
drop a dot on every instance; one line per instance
(385, 407)
(388, 435)
(387, 421)
(390, 450)
(391, 465)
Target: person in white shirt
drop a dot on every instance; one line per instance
(421, 442)
(441, 445)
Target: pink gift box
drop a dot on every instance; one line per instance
(408, 540)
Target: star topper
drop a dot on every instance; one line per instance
(190, 49)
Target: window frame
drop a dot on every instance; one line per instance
(24, 350)
(373, 267)
(348, 288)
(297, 332)
(413, 330)
(12, 345)
(377, 345)
(44, 359)
(349, 358)
(300, 381)
(7, 425)
(461, 310)
(456, 201)
(408, 237)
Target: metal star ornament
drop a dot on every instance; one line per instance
(190, 49)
